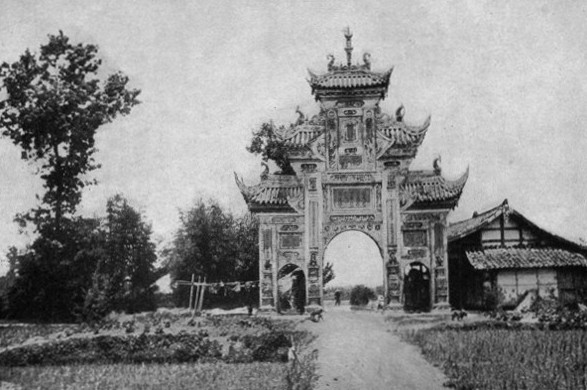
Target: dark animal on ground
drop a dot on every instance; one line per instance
(316, 315)
(458, 315)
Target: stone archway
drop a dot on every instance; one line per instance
(357, 258)
(350, 170)
(417, 287)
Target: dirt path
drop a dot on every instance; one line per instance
(358, 350)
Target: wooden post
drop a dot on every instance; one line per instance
(201, 303)
(198, 288)
(191, 292)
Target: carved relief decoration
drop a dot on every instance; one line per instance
(290, 257)
(350, 178)
(297, 202)
(352, 218)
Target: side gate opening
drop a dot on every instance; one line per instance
(417, 287)
(292, 289)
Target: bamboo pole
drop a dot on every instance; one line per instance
(191, 292)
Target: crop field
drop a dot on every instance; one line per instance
(203, 376)
(493, 358)
(161, 350)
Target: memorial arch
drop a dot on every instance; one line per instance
(351, 164)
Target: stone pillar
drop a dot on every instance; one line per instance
(267, 268)
(393, 266)
(439, 262)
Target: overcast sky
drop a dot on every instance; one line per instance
(505, 83)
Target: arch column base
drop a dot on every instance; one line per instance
(441, 306)
(395, 306)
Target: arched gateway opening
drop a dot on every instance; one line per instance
(356, 259)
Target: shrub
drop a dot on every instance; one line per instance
(361, 295)
(146, 348)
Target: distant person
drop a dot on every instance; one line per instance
(337, 295)
(380, 303)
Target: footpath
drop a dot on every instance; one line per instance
(358, 350)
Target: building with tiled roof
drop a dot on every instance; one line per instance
(500, 250)
(351, 165)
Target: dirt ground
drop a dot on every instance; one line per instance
(358, 350)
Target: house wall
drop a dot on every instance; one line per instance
(513, 284)
(572, 284)
(507, 232)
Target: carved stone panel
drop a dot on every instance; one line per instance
(290, 240)
(415, 238)
(351, 198)
(391, 240)
(314, 223)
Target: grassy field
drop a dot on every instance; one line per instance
(489, 358)
(263, 376)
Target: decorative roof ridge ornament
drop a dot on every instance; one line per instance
(399, 113)
(349, 46)
(330, 59)
(436, 165)
(367, 61)
(301, 117)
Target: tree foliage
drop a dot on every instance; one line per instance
(125, 273)
(100, 265)
(327, 274)
(53, 276)
(266, 143)
(361, 295)
(214, 243)
(55, 103)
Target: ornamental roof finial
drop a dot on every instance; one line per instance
(349, 46)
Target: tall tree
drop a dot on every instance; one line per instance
(55, 103)
(125, 274)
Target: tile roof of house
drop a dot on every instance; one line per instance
(508, 258)
(431, 187)
(464, 228)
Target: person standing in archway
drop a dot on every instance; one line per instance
(337, 295)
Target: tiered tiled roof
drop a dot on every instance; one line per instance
(300, 136)
(347, 78)
(429, 187)
(396, 133)
(464, 228)
(350, 78)
(511, 258)
(272, 193)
